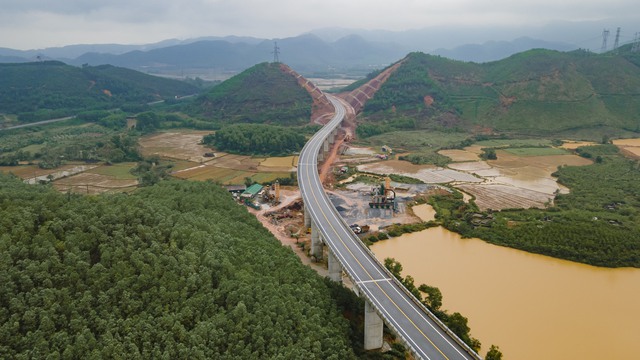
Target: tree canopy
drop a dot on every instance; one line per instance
(173, 271)
(256, 139)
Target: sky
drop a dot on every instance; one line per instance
(35, 24)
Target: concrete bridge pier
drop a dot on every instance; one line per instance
(373, 326)
(316, 242)
(307, 218)
(321, 155)
(335, 268)
(325, 146)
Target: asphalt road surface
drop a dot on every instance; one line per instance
(400, 310)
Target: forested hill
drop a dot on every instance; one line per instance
(536, 92)
(175, 271)
(52, 85)
(264, 93)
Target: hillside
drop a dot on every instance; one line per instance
(52, 85)
(306, 53)
(176, 271)
(534, 92)
(265, 93)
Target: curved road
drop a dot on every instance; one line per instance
(401, 311)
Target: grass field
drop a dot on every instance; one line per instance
(515, 143)
(545, 151)
(415, 140)
(120, 171)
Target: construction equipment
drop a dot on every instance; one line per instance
(384, 197)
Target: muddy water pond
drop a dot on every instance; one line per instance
(532, 306)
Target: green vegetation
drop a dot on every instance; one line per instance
(120, 171)
(261, 94)
(51, 146)
(488, 154)
(422, 145)
(396, 230)
(256, 139)
(411, 91)
(176, 270)
(537, 92)
(596, 223)
(45, 90)
(362, 81)
(539, 151)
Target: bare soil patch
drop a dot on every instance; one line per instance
(427, 173)
(89, 183)
(182, 145)
(572, 145)
(279, 164)
(501, 196)
(459, 155)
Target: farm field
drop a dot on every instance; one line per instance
(519, 178)
(629, 147)
(182, 145)
(93, 183)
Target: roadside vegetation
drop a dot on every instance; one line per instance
(431, 298)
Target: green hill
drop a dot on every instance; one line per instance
(55, 86)
(173, 271)
(261, 94)
(534, 92)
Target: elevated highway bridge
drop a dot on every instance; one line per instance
(386, 299)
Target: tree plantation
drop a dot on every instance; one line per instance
(173, 271)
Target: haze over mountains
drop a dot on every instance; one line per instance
(328, 50)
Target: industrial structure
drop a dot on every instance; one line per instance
(383, 197)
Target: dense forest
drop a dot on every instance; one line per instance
(263, 93)
(256, 139)
(596, 223)
(173, 271)
(44, 90)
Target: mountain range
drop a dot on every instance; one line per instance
(321, 52)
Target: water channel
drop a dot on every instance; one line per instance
(531, 306)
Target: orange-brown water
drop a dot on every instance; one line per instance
(532, 306)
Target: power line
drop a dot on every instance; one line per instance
(605, 36)
(276, 52)
(636, 43)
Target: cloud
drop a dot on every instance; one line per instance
(37, 23)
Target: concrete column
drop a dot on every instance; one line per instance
(321, 155)
(372, 328)
(335, 268)
(326, 146)
(316, 242)
(307, 219)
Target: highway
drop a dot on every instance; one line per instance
(426, 337)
